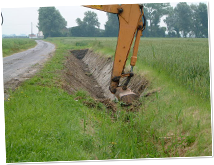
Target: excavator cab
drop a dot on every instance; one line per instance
(131, 23)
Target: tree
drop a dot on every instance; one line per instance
(51, 23)
(184, 14)
(111, 26)
(88, 27)
(186, 20)
(200, 20)
(172, 23)
(154, 13)
(91, 19)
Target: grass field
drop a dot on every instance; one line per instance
(186, 61)
(15, 45)
(45, 123)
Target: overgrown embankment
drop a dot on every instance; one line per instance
(15, 45)
(46, 123)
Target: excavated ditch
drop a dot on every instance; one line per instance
(91, 72)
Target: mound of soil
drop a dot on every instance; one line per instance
(91, 72)
(78, 77)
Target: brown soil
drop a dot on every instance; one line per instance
(91, 72)
(78, 77)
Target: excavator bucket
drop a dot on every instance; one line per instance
(126, 96)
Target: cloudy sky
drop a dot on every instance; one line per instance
(18, 20)
(19, 15)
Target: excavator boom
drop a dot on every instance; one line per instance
(130, 25)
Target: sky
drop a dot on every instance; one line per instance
(17, 20)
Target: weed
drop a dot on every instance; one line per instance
(177, 116)
(190, 140)
(51, 125)
(11, 46)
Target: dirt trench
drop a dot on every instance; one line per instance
(91, 72)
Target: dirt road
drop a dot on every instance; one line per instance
(22, 65)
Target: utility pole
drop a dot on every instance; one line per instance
(31, 29)
(31, 35)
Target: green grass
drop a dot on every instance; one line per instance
(44, 123)
(186, 61)
(11, 45)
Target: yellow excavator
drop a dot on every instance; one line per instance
(132, 22)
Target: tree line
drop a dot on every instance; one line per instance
(162, 20)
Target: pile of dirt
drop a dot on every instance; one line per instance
(78, 77)
(91, 72)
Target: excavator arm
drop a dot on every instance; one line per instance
(130, 25)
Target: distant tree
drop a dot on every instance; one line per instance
(172, 23)
(154, 13)
(76, 31)
(184, 20)
(146, 32)
(200, 20)
(51, 23)
(111, 26)
(91, 19)
(88, 27)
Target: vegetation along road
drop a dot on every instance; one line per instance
(47, 118)
(63, 112)
(22, 65)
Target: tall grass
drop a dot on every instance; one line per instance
(45, 123)
(186, 61)
(15, 45)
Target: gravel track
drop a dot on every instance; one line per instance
(21, 66)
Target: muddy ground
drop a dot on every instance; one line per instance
(78, 76)
(91, 72)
